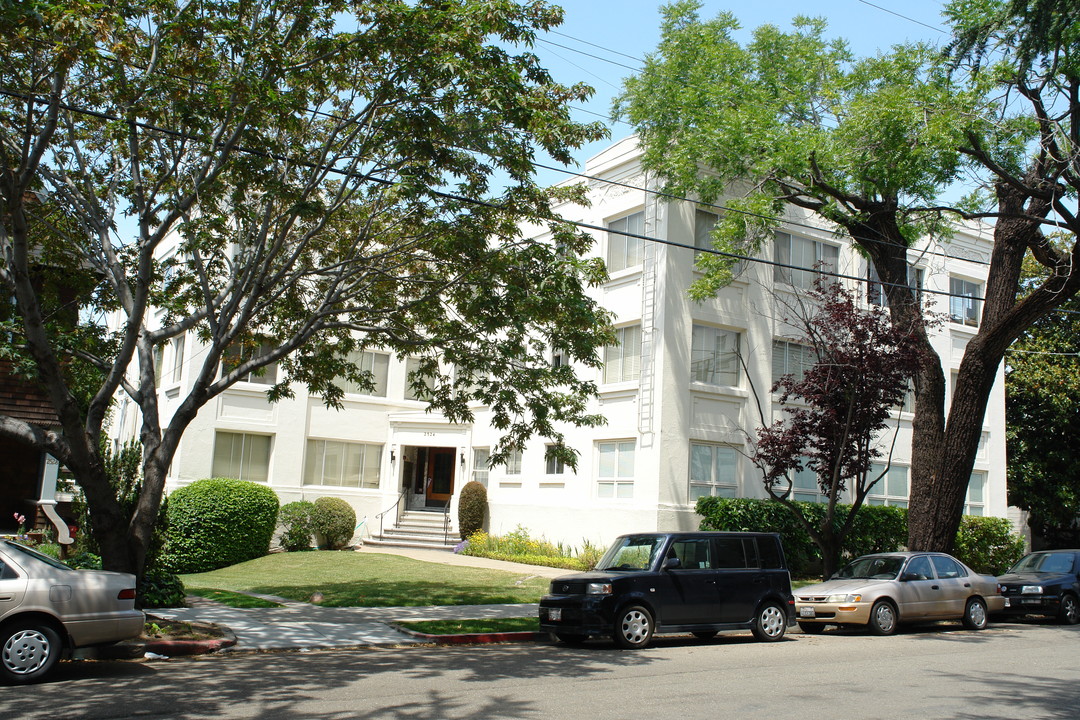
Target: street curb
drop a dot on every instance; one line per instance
(474, 638)
(178, 648)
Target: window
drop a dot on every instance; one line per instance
(800, 260)
(791, 359)
(891, 489)
(806, 487)
(513, 463)
(622, 361)
(481, 465)
(714, 356)
(239, 354)
(624, 251)
(875, 291)
(377, 364)
(177, 357)
(159, 362)
(412, 367)
(554, 466)
(615, 469)
(964, 302)
(704, 222)
(342, 464)
(919, 567)
(731, 553)
(975, 504)
(242, 456)
(713, 471)
(947, 568)
(693, 554)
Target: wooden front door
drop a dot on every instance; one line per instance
(440, 476)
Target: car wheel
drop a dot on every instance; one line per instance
(572, 638)
(633, 628)
(883, 618)
(28, 651)
(1069, 611)
(770, 623)
(704, 634)
(812, 628)
(975, 614)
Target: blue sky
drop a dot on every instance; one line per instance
(631, 27)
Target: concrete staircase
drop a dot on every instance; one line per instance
(417, 529)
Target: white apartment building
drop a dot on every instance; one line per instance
(677, 400)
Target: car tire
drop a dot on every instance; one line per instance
(812, 628)
(1069, 610)
(572, 638)
(975, 617)
(28, 651)
(883, 620)
(633, 627)
(704, 634)
(770, 623)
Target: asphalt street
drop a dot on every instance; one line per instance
(1008, 671)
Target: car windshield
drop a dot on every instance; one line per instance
(631, 552)
(1044, 562)
(36, 555)
(878, 567)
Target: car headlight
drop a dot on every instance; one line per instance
(598, 589)
(843, 598)
(1031, 589)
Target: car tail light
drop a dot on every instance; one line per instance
(126, 594)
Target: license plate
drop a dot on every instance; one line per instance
(807, 612)
(554, 614)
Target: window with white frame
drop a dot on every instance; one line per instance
(891, 489)
(704, 222)
(800, 260)
(714, 356)
(158, 354)
(481, 465)
(625, 251)
(975, 502)
(243, 456)
(412, 368)
(622, 361)
(239, 354)
(615, 469)
(805, 487)
(790, 358)
(875, 289)
(553, 465)
(714, 471)
(342, 464)
(177, 344)
(374, 363)
(965, 301)
(513, 462)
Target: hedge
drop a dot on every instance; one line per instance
(472, 509)
(334, 522)
(296, 525)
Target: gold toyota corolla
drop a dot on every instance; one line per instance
(882, 591)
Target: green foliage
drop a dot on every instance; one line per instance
(50, 549)
(217, 522)
(84, 561)
(160, 589)
(295, 522)
(333, 521)
(988, 544)
(472, 509)
(517, 546)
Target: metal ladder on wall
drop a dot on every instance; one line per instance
(650, 260)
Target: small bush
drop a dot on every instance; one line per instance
(988, 544)
(84, 561)
(217, 522)
(294, 519)
(517, 546)
(160, 589)
(334, 522)
(472, 509)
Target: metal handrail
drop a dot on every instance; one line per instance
(446, 524)
(392, 507)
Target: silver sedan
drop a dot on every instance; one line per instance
(48, 609)
(881, 591)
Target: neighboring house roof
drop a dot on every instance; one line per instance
(23, 400)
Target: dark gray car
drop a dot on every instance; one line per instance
(1046, 582)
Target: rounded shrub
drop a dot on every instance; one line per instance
(988, 544)
(217, 522)
(160, 589)
(334, 522)
(294, 519)
(472, 509)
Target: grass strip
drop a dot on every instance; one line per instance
(463, 627)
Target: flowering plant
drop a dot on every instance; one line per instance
(21, 519)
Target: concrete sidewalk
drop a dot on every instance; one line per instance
(299, 626)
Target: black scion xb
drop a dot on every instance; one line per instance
(678, 582)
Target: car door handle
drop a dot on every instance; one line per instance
(967, 584)
(934, 587)
(6, 597)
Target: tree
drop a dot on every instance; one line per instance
(291, 183)
(869, 145)
(841, 410)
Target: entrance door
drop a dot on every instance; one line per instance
(440, 476)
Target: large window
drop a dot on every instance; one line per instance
(891, 489)
(714, 471)
(806, 487)
(412, 367)
(965, 301)
(704, 222)
(791, 359)
(481, 458)
(553, 465)
(622, 361)
(342, 464)
(714, 356)
(238, 355)
(377, 364)
(975, 502)
(800, 260)
(875, 290)
(615, 471)
(242, 456)
(624, 251)
(513, 462)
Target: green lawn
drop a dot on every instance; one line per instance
(352, 579)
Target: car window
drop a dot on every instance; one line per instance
(730, 553)
(946, 567)
(693, 554)
(1058, 563)
(880, 567)
(7, 572)
(40, 557)
(919, 567)
(632, 552)
(769, 553)
(1044, 562)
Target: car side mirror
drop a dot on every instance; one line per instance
(672, 563)
(908, 577)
